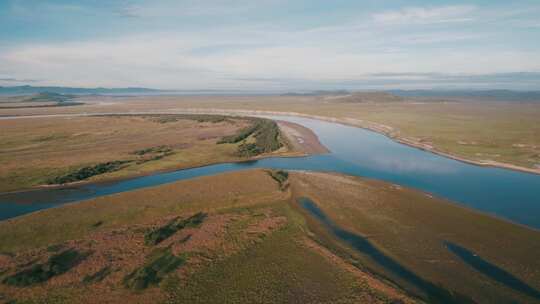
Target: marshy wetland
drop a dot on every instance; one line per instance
(256, 213)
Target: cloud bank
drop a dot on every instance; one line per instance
(236, 45)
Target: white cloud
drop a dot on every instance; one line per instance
(168, 61)
(275, 56)
(191, 8)
(426, 15)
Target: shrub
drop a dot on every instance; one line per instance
(160, 263)
(240, 135)
(266, 134)
(87, 172)
(157, 235)
(55, 265)
(166, 118)
(280, 176)
(98, 276)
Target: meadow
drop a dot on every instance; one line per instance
(249, 246)
(244, 237)
(477, 130)
(61, 150)
(413, 228)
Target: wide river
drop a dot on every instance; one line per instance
(505, 193)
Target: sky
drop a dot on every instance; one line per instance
(271, 45)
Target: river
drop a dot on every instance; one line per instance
(507, 194)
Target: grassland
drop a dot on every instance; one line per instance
(243, 237)
(477, 130)
(65, 150)
(250, 247)
(480, 131)
(412, 227)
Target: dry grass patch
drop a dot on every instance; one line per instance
(62, 150)
(504, 132)
(248, 248)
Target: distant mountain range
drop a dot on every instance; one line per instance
(47, 96)
(488, 95)
(26, 90)
(493, 95)
(496, 95)
(318, 93)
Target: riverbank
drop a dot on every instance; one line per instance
(301, 138)
(379, 128)
(181, 144)
(411, 228)
(249, 217)
(231, 253)
(482, 132)
(376, 127)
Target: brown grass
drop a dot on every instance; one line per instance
(251, 247)
(33, 151)
(479, 131)
(411, 227)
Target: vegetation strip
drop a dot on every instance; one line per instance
(280, 176)
(157, 235)
(434, 293)
(158, 149)
(87, 172)
(55, 265)
(98, 276)
(166, 118)
(266, 134)
(153, 153)
(159, 263)
(492, 271)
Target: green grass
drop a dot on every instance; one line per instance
(152, 154)
(153, 150)
(87, 172)
(242, 133)
(280, 176)
(276, 269)
(266, 136)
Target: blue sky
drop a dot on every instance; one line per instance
(271, 45)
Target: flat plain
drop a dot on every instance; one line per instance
(476, 130)
(244, 236)
(250, 247)
(252, 242)
(57, 150)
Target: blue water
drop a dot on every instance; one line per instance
(508, 194)
(434, 293)
(492, 271)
